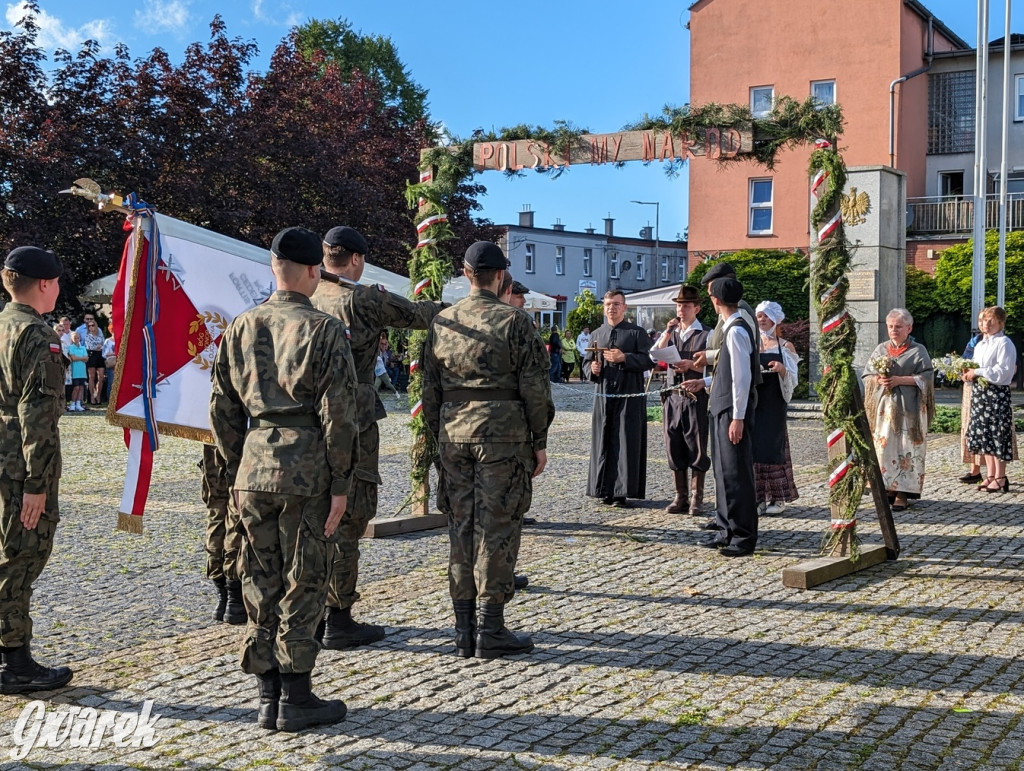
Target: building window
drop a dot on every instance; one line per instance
(823, 92)
(664, 269)
(951, 112)
(761, 98)
(559, 260)
(639, 267)
(951, 184)
(529, 263)
(760, 221)
(681, 269)
(588, 261)
(613, 265)
(1018, 82)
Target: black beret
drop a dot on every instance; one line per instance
(33, 262)
(727, 290)
(347, 238)
(719, 270)
(518, 288)
(298, 245)
(484, 254)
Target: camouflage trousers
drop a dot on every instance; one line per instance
(283, 565)
(222, 536)
(23, 555)
(362, 506)
(485, 489)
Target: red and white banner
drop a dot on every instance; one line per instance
(178, 288)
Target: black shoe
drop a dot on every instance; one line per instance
(234, 611)
(521, 582)
(465, 627)
(713, 543)
(709, 525)
(607, 501)
(493, 639)
(735, 551)
(970, 479)
(341, 632)
(269, 685)
(222, 598)
(529, 520)
(299, 708)
(620, 503)
(21, 673)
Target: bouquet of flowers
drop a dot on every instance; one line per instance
(953, 367)
(882, 365)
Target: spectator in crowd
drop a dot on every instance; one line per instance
(555, 352)
(990, 432)
(569, 356)
(582, 343)
(109, 363)
(65, 343)
(899, 395)
(380, 372)
(78, 355)
(95, 366)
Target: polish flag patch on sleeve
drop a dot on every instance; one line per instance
(54, 347)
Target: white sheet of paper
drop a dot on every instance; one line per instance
(669, 354)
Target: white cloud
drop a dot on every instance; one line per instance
(53, 33)
(163, 16)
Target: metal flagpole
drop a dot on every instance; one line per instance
(1007, 117)
(980, 161)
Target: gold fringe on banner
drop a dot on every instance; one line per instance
(129, 524)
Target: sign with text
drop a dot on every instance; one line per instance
(598, 149)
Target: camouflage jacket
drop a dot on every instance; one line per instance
(482, 343)
(285, 360)
(31, 398)
(368, 310)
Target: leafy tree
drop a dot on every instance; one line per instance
(766, 274)
(589, 312)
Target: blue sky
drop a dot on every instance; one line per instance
(597, 64)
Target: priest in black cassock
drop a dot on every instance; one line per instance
(616, 360)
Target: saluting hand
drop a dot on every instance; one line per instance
(338, 505)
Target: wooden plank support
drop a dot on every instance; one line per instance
(817, 571)
(409, 523)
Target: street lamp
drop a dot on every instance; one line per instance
(657, 232)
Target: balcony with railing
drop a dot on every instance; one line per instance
(938, 215)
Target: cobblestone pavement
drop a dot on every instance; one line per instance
(651, 651)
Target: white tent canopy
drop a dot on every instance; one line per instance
(458, 288)
(100, 290)
(662, 296)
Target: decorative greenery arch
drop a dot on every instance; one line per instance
(790, 124)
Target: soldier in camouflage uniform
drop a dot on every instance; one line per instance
(282, 409)
(367, 311)
(487, 401)
(31, 402)
(222, 538)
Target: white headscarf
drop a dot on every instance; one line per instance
(773, 311)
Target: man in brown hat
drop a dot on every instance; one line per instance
(685, 416)
(31, 402)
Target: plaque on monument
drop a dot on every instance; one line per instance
(862, 285)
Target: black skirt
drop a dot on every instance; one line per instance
(990, 430)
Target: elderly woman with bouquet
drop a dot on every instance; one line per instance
(990, 430)
(899, 395)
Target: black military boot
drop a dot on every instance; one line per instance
(493, 639)
(697, 494)
(465, 627)
(234, 612)
(678, 505)
(341, 632)
(222, 598)
(22, 674)
(520, 581)
(299, 708)
(269, 684)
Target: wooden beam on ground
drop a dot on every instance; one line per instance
(410, 523)
(817, 571)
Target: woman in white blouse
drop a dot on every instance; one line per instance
(990, 430)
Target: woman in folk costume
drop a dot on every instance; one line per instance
(899, 395)
(773, 464)
(990, 432)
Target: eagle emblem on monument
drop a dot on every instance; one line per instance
(854, 206)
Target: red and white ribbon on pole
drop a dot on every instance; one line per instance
(827, 294)
(425, 176)
(840, 471)
(433, 219)
(417, 408)
(421, 286)
(829, 227)
(819, 178)
(844, 524)
(833, 322)
(835, 436)
(414, 366)
(425, 242)
(822, 144)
